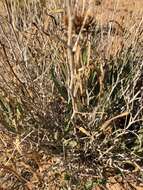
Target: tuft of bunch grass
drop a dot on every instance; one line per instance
(73, 88)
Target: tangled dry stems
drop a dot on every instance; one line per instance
(71, 90)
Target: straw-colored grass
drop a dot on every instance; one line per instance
(71, 100)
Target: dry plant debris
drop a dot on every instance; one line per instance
(71, 94)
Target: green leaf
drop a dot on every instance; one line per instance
(61, 88)
(67, 177)
(89, 185)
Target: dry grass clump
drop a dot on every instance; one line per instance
(70, 97)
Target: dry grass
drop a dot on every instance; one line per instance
(71, 94)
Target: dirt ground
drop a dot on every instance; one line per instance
(121, 10)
